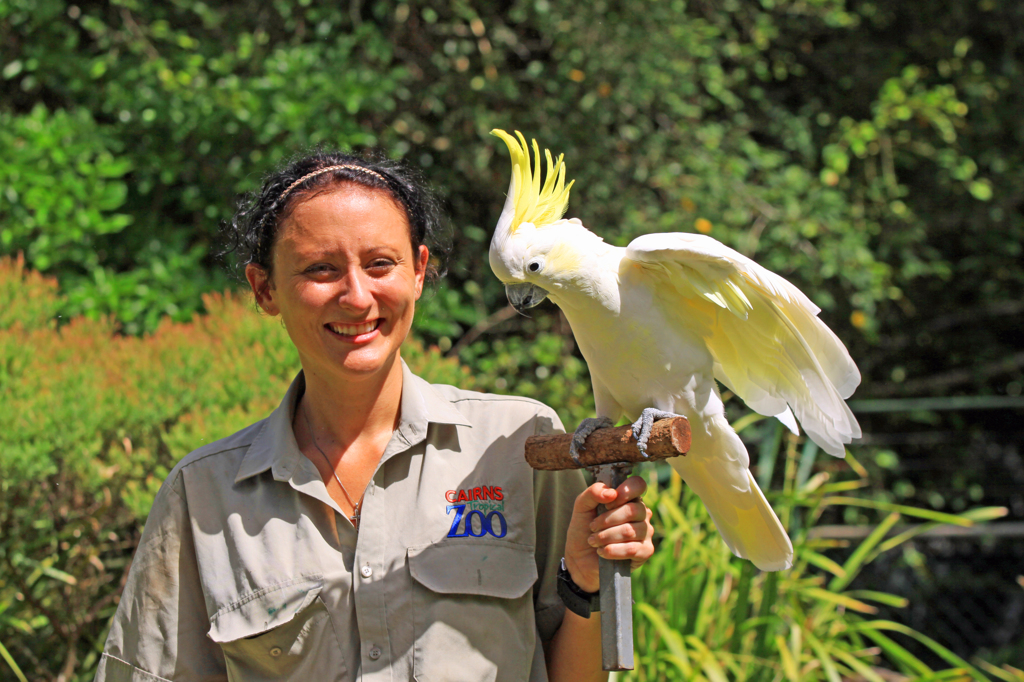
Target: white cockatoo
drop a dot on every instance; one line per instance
(658, 322)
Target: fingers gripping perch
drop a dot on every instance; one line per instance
(642, 426)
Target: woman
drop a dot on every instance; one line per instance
(374, 526)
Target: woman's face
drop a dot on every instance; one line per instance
(345, 282)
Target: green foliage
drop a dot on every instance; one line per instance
(702, 614)
(100, 420)
(866, 152)
(671, 119)
(197, 101)
(62, 185)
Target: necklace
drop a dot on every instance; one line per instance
(355, 505)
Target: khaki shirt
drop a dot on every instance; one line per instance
(248, 570)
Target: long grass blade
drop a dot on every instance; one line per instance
(859, 666)
(939, 650)
(708, 662)
(857, 467)
(671, 637)
(979, 515)
(6, 655)
(957, 674)
(698, 589)
(982, 514)
(815, 482)
(742, 608)
(789, 667)
(60, 575)
(823, 562)
(842, 486)
(1008, 674)
(880, 597)
(952, 519)
(681, 665)
(807, 457)
(856, 560)
(842, 599)
(909, 662)
(831, 673)
(769, 453)
(900, 538)
(769, 593)
(747, 420)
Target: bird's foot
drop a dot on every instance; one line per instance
(642, 426)
(583, 431)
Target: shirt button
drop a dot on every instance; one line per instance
(275, 651)
(375, 653)
(366, 571)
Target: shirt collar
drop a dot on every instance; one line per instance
(275, 448)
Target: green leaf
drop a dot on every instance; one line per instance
(841, 599)
(827, 664)
(981, 190)
(747, 420)
(57, 574)
(822, 562)
(880, 597)
(6, 655)
(1006, 673)
(898, 654)
(937, 648)
(941, 517)
(857, 559)
(708, 662)
(672, 638)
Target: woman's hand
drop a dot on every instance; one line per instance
(624, 531)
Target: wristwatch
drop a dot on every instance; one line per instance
(574, 597)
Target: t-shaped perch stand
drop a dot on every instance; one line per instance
(610, 454)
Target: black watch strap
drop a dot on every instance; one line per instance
(575, 599)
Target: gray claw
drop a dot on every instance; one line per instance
(642, 426)
(583, 431)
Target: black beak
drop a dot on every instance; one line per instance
(524, 296)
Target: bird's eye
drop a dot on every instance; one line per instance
(535, 265)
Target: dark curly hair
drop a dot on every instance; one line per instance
(252, 232)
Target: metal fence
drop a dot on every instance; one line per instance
(965, 588)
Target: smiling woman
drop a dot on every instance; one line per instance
(323, 541)
(345, 280)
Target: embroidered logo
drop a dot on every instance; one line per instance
(485, 505)
(487, 492)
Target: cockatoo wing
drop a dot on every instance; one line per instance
(768, 343)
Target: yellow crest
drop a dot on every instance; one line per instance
(534, 203)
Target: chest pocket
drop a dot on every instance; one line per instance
(473, 610)
(282, 632)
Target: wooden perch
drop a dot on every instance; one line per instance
(669, 438)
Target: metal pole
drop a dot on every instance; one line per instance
(616, 590)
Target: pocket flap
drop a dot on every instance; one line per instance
(483, 567)
(264, 609)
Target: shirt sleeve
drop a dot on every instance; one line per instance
(159, 631)
(554, 493)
